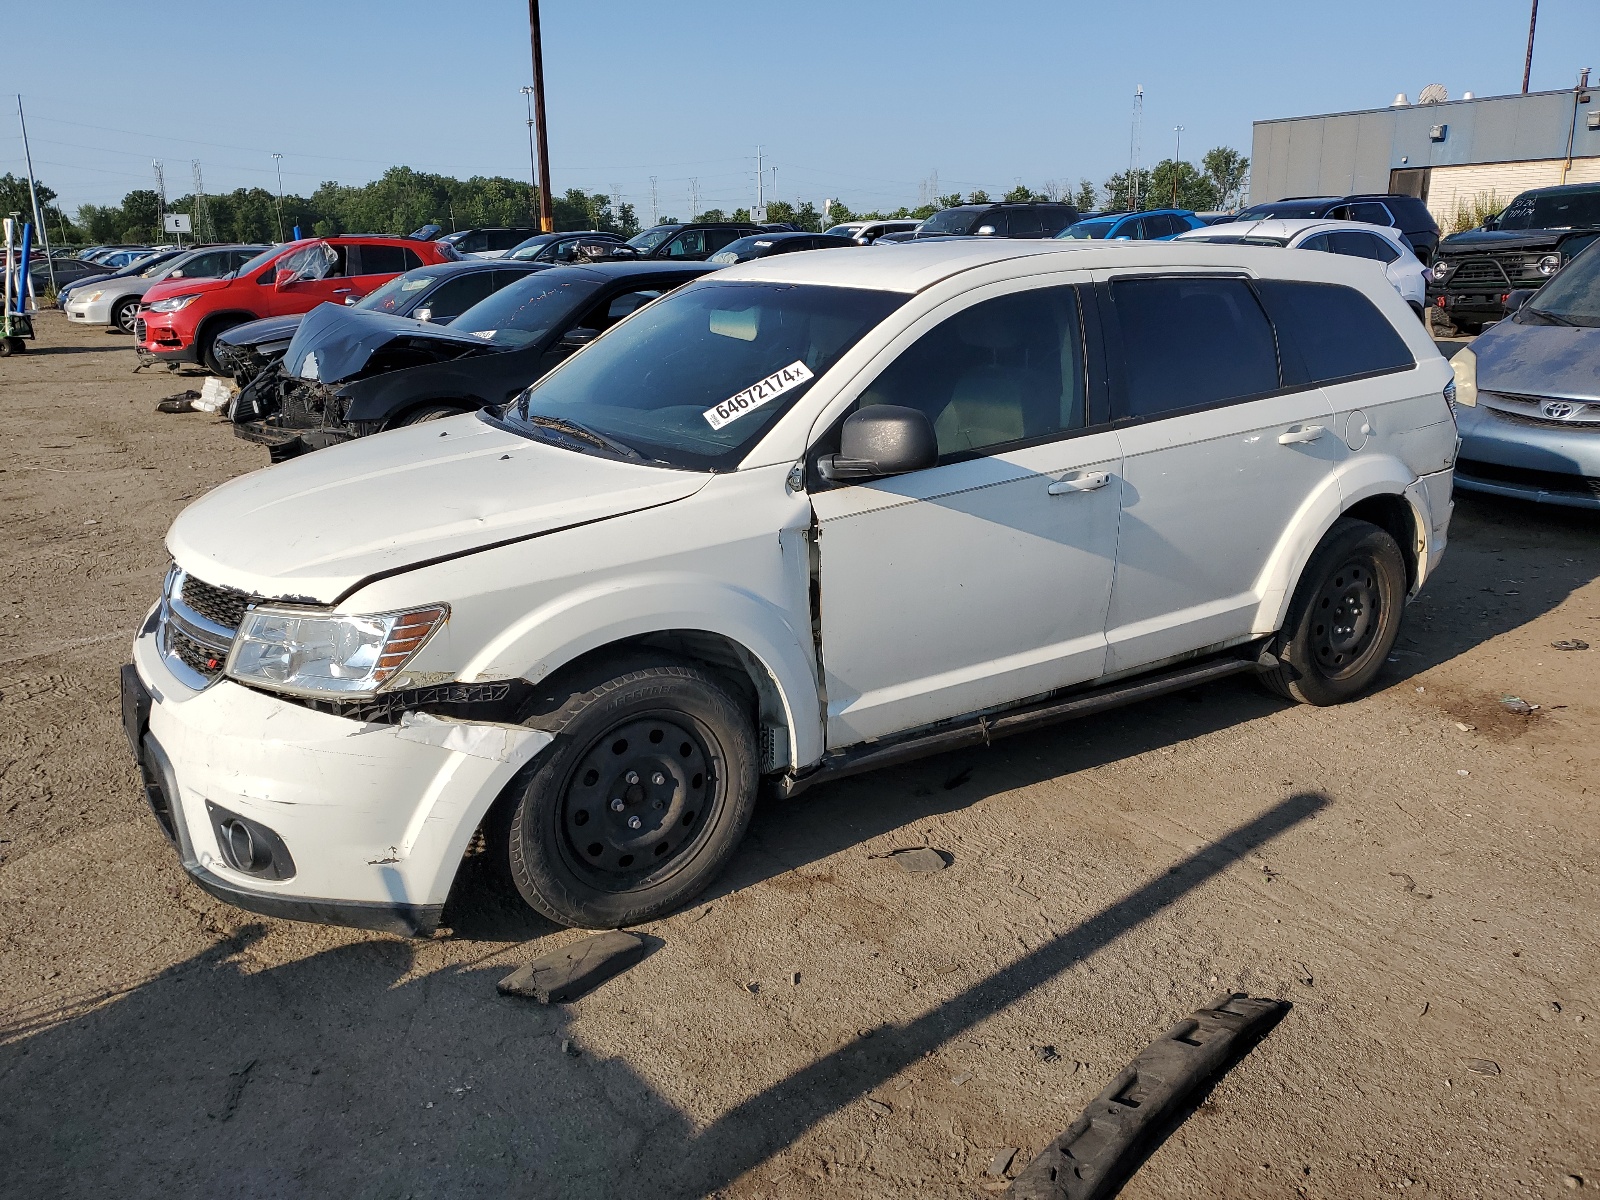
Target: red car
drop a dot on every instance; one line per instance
(179, 320)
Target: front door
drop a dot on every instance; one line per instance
(984, 579)
(1219, 455)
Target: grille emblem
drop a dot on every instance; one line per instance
(1557, 410)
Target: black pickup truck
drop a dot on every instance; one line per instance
(1534, 237)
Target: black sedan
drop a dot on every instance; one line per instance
(349, 372)
(764, 245)
(584, 245)
(438, 293)
(694, 241)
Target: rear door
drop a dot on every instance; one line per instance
(373, 264)
(1219, 454)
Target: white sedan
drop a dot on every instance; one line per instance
(1356, 239)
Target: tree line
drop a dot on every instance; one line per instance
(404, 200)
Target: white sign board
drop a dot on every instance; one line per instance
(177, 223)
(758, 214)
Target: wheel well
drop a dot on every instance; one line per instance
(405, 414)
(724, 659)
(217, 322)
(1393, 514)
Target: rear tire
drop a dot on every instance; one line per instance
(640, 801)
(1344, 618)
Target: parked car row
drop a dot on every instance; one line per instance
(722, 528)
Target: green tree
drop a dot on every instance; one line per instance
(14, 198)
(1227, 170)
(1182, 180)
(978, 197)
(1085, 199)
(1128, 189)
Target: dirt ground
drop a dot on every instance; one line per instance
(1416, 872)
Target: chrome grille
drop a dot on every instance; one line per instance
(223, 605)
(193, 654)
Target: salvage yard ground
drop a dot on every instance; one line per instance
(1416, 872)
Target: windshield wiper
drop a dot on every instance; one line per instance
(1549, 316)
(584, 434)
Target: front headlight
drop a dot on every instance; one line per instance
(1549, 265)
(174, 303)
(327, 654)
(1441, 270)
(1465, 366)
(92, 297)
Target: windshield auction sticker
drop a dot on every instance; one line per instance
(754, 396)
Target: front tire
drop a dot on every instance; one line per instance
(433, 412)
(125, 314)
(1344, 618)
(640, 801)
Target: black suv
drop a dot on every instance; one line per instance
(1406, 213)
(1021, 220)
(1536, 235)
(693, 241)
(486, 241)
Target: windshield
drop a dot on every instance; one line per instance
(260, 260)
(651, 238)
(1552, 210)
(1087, 229)
(1292, 209)
(395, 295)
(161, 268)
(695, 378)
(524, 251)
(742, 250)
(949, 220)
(848, 231)
(524, 312)
(1236, 239)
(1573, 296)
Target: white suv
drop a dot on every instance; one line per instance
(806, 516)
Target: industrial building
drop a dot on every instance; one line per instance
(1447, 152)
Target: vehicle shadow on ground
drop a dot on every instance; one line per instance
(36, 349)
(220, 1078)
(1509, 563)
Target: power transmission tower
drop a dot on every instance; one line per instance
(694, 199)
(655, 218)
(1133, 148)
(616, 205)
(202, 213)
(161, 198)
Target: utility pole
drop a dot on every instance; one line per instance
(277, 161)
(161, 197)
(33, 198)
(655, 219)
(1177, 150)
(533, 169)
(761, 204)
(1527, 63)
(1133, 149)
(547, 214)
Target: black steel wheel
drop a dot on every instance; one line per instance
(1344, 618)
(639, 802)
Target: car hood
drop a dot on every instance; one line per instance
(254, 333)
(186, 287)
(312, 529)
(1479, 240)
(1555, 361)
(345, 339)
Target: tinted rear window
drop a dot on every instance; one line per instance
(1328, 332)
(1188, 343)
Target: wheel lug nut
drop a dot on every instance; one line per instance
(616, 805)
(634, 822)
(658, 779)
(633, 777)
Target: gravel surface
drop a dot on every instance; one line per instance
(1416, 872)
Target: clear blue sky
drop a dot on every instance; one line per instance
(859, 101)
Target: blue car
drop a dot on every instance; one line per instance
(1156, 225)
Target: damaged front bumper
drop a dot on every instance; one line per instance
(289, 416)
(344, 821)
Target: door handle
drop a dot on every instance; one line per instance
(1083, 483)
(1308, 433)
(342, 291)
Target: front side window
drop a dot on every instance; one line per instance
(1328, 332)
(1004, 371)
(454, 296)
(472, 243)
(1192, 343)
(1371, 212)
(1363, 245)
(696, 378)
(952, 220)
(689, 243)
(647, 241)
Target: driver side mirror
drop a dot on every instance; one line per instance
(985, 230)
(1517, 297)
(423, 314)
(881, 440)
(576, 339)
(283, 277)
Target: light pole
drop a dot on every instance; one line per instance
(547, 214)
(1177, 150)
(277, 161)
(1527, 63)
(533, 169)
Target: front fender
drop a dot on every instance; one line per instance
(1363, 477)
(586, 619)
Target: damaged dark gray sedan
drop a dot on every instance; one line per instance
(348, 373)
